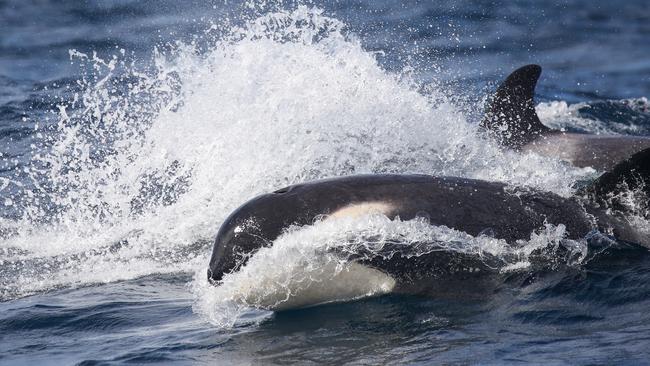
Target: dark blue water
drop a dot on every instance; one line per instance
(119, 160)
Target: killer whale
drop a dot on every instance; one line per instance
(472, 206)
(511, 119)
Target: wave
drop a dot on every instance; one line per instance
(608, 117)
(146, 161)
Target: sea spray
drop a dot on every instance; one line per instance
(146, 162)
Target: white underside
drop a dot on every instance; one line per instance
(303, 276)
(353, 282)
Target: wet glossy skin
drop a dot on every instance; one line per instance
(467, 205)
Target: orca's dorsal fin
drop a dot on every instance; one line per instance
(510, 114)
(629, 176)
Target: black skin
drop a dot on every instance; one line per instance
(471, 206)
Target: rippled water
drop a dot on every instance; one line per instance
(130, 130)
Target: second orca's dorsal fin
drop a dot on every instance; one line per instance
(510, 114)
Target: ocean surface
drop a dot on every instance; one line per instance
(129, 130)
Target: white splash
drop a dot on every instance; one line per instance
(146, 164)
(560, 115)
(318, 263)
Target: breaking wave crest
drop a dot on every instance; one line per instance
(608, 117)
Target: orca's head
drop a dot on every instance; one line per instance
(251, 227)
